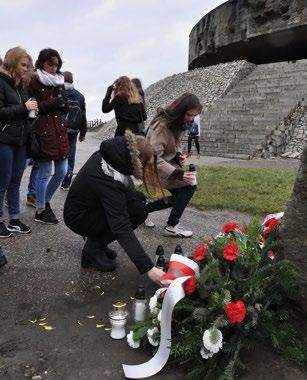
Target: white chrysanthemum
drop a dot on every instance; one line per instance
(152, 336)
(219, 235)
(205, 354)
(153, 304)
(159, 316)
(213, 340)
(133, 343)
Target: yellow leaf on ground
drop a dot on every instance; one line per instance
(42, 324)
(35, 320)
(80, 323)
(99, 326)
(48, 328)
(90, 316)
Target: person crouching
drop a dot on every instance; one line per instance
(103, 205)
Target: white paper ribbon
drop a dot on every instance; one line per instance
(174, 294)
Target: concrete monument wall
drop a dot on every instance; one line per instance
(259, 31)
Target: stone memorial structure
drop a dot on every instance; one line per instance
(259, 31)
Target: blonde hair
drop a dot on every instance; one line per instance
(150, 175)
(124, 86)
(11, 60)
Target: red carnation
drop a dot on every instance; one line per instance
(273, 223)
(271, 254)
(270, 224)
(200, 252)
(190, 285)
(230, 251)
(235, 311)
(228, 227)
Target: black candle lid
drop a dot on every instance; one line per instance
(140, 292)
(159, 250)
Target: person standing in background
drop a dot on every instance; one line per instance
(127, 105)
(14, 132)
(75, 123)
(47, 86)
(193, 134)
(138, 84)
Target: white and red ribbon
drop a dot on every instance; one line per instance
(181, 268)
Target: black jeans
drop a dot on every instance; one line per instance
(94, 224)
(196, 144)
(179, 200)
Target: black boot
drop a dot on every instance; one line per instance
(96, 258)
(95, 243)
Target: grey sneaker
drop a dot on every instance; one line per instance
(149, 223)
(177, 231)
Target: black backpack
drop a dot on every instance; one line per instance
(73, 117)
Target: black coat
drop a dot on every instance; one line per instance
(94, 190)
(14, 125)
(128, 116)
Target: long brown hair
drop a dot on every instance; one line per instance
(138, 84)
(11, 60)
(124, 87)
(173, 115)
(150, 178)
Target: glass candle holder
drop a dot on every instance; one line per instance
(118, 319)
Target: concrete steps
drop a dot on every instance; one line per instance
(239, 121)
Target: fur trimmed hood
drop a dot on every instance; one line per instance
(6, 76)
(123, 155)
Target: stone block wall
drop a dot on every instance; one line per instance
(209, 84)
(240, 123)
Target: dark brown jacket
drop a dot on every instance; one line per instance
(49, 126)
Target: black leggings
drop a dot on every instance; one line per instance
(179, 200)
(195, 138)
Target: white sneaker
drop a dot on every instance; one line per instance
(149, 223)
(177, 231)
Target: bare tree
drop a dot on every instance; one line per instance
(294, 231)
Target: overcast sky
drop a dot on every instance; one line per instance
(102, 40)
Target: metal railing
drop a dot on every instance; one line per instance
(92, 124)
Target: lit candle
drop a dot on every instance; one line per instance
(118, 319)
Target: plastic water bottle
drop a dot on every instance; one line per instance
(32, 113)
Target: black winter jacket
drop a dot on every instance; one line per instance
(128, 116)
(93, 189)
(14, 124)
